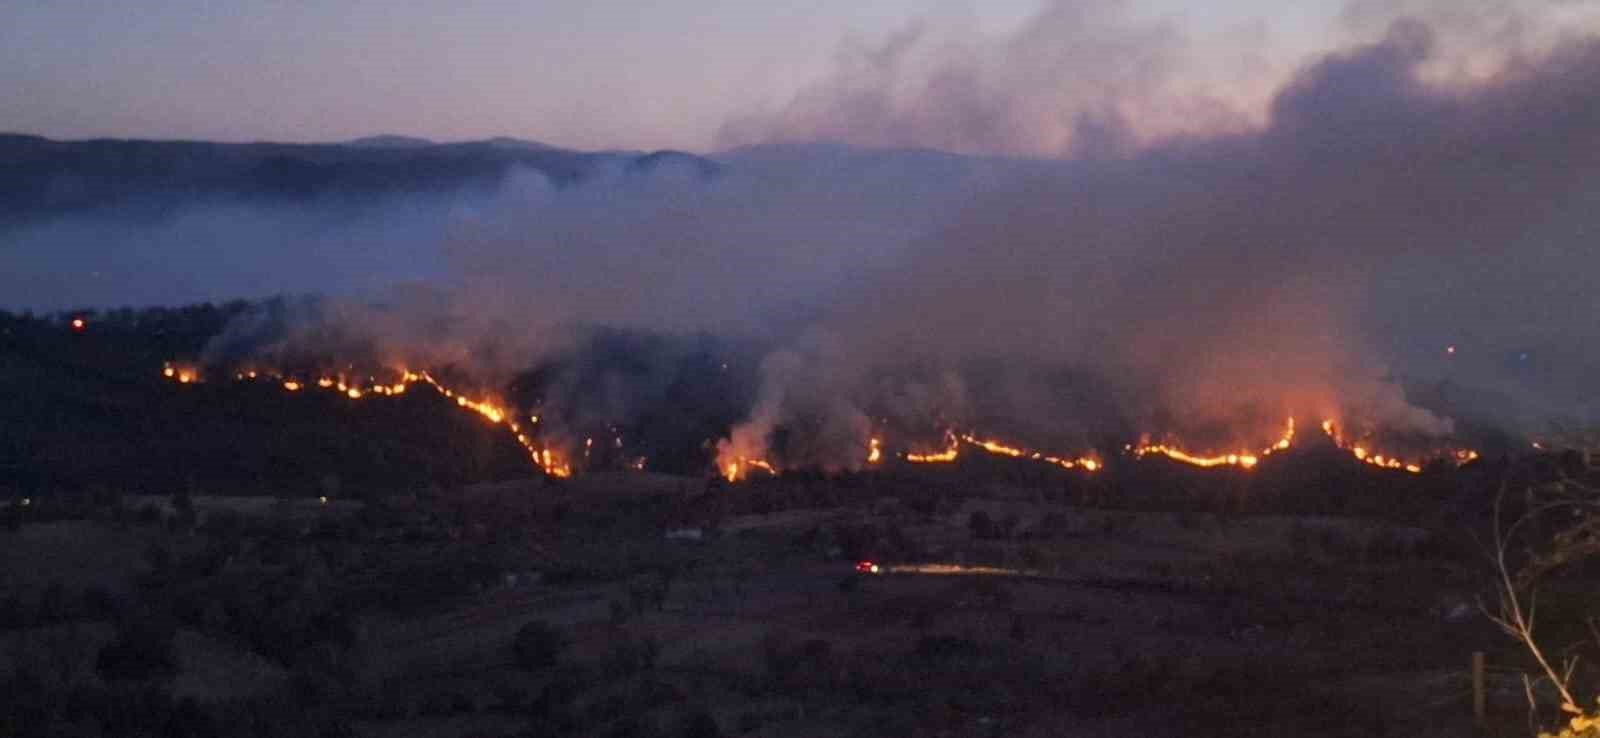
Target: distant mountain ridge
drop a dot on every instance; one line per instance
(44, 178)
(390, 141)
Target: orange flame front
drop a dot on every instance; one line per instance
(995, 447)
(740, 468)
(354, 389)
(1362, 453)
(1242, 459)
(951, 450)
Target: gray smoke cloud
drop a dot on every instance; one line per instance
(1067, 82)
(1311, 267)
(1182, 266)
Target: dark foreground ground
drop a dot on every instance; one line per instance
(644, 605)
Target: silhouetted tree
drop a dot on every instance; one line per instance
(981, 525)
(537, 645)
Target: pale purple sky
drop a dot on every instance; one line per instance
(587, 74)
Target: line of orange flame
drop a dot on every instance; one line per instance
(1242, 459)
(1459, 456)
(354, 390)
(740, 468)
(952, 449)
(995, 447)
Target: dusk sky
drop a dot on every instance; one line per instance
(597, 74)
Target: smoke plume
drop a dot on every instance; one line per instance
(1399, 236)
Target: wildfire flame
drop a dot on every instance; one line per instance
(354, 390)
(740, 468)
(1329, 428)
(180, 374)
(996, 447)
(1361, 452)
(951, 450)
(1242, 459)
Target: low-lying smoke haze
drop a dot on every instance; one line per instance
(1108, 253)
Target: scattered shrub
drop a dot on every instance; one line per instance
(982, 526)
(99, 603)
(1052, 525)
(538, 645)
(149, 514)
(699, 724)
(1019, 629)
(992, 591)
(142, 650)
(944, 648)
(629, 656)
(989, 554)
(1034, 557)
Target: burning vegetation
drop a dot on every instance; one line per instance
(352, 387)
(735, 467)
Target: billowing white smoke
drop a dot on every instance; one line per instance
(1308, 268)
(801, 404)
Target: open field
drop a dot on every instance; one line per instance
(990, 615)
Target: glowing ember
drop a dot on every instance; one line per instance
(874, 451)
(180, 374)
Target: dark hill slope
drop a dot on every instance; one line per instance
(87, 411)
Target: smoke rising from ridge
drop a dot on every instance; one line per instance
(1208, 278)
(1307, 268)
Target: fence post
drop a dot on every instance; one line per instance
(1478, 696)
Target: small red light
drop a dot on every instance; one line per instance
(78, 325)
